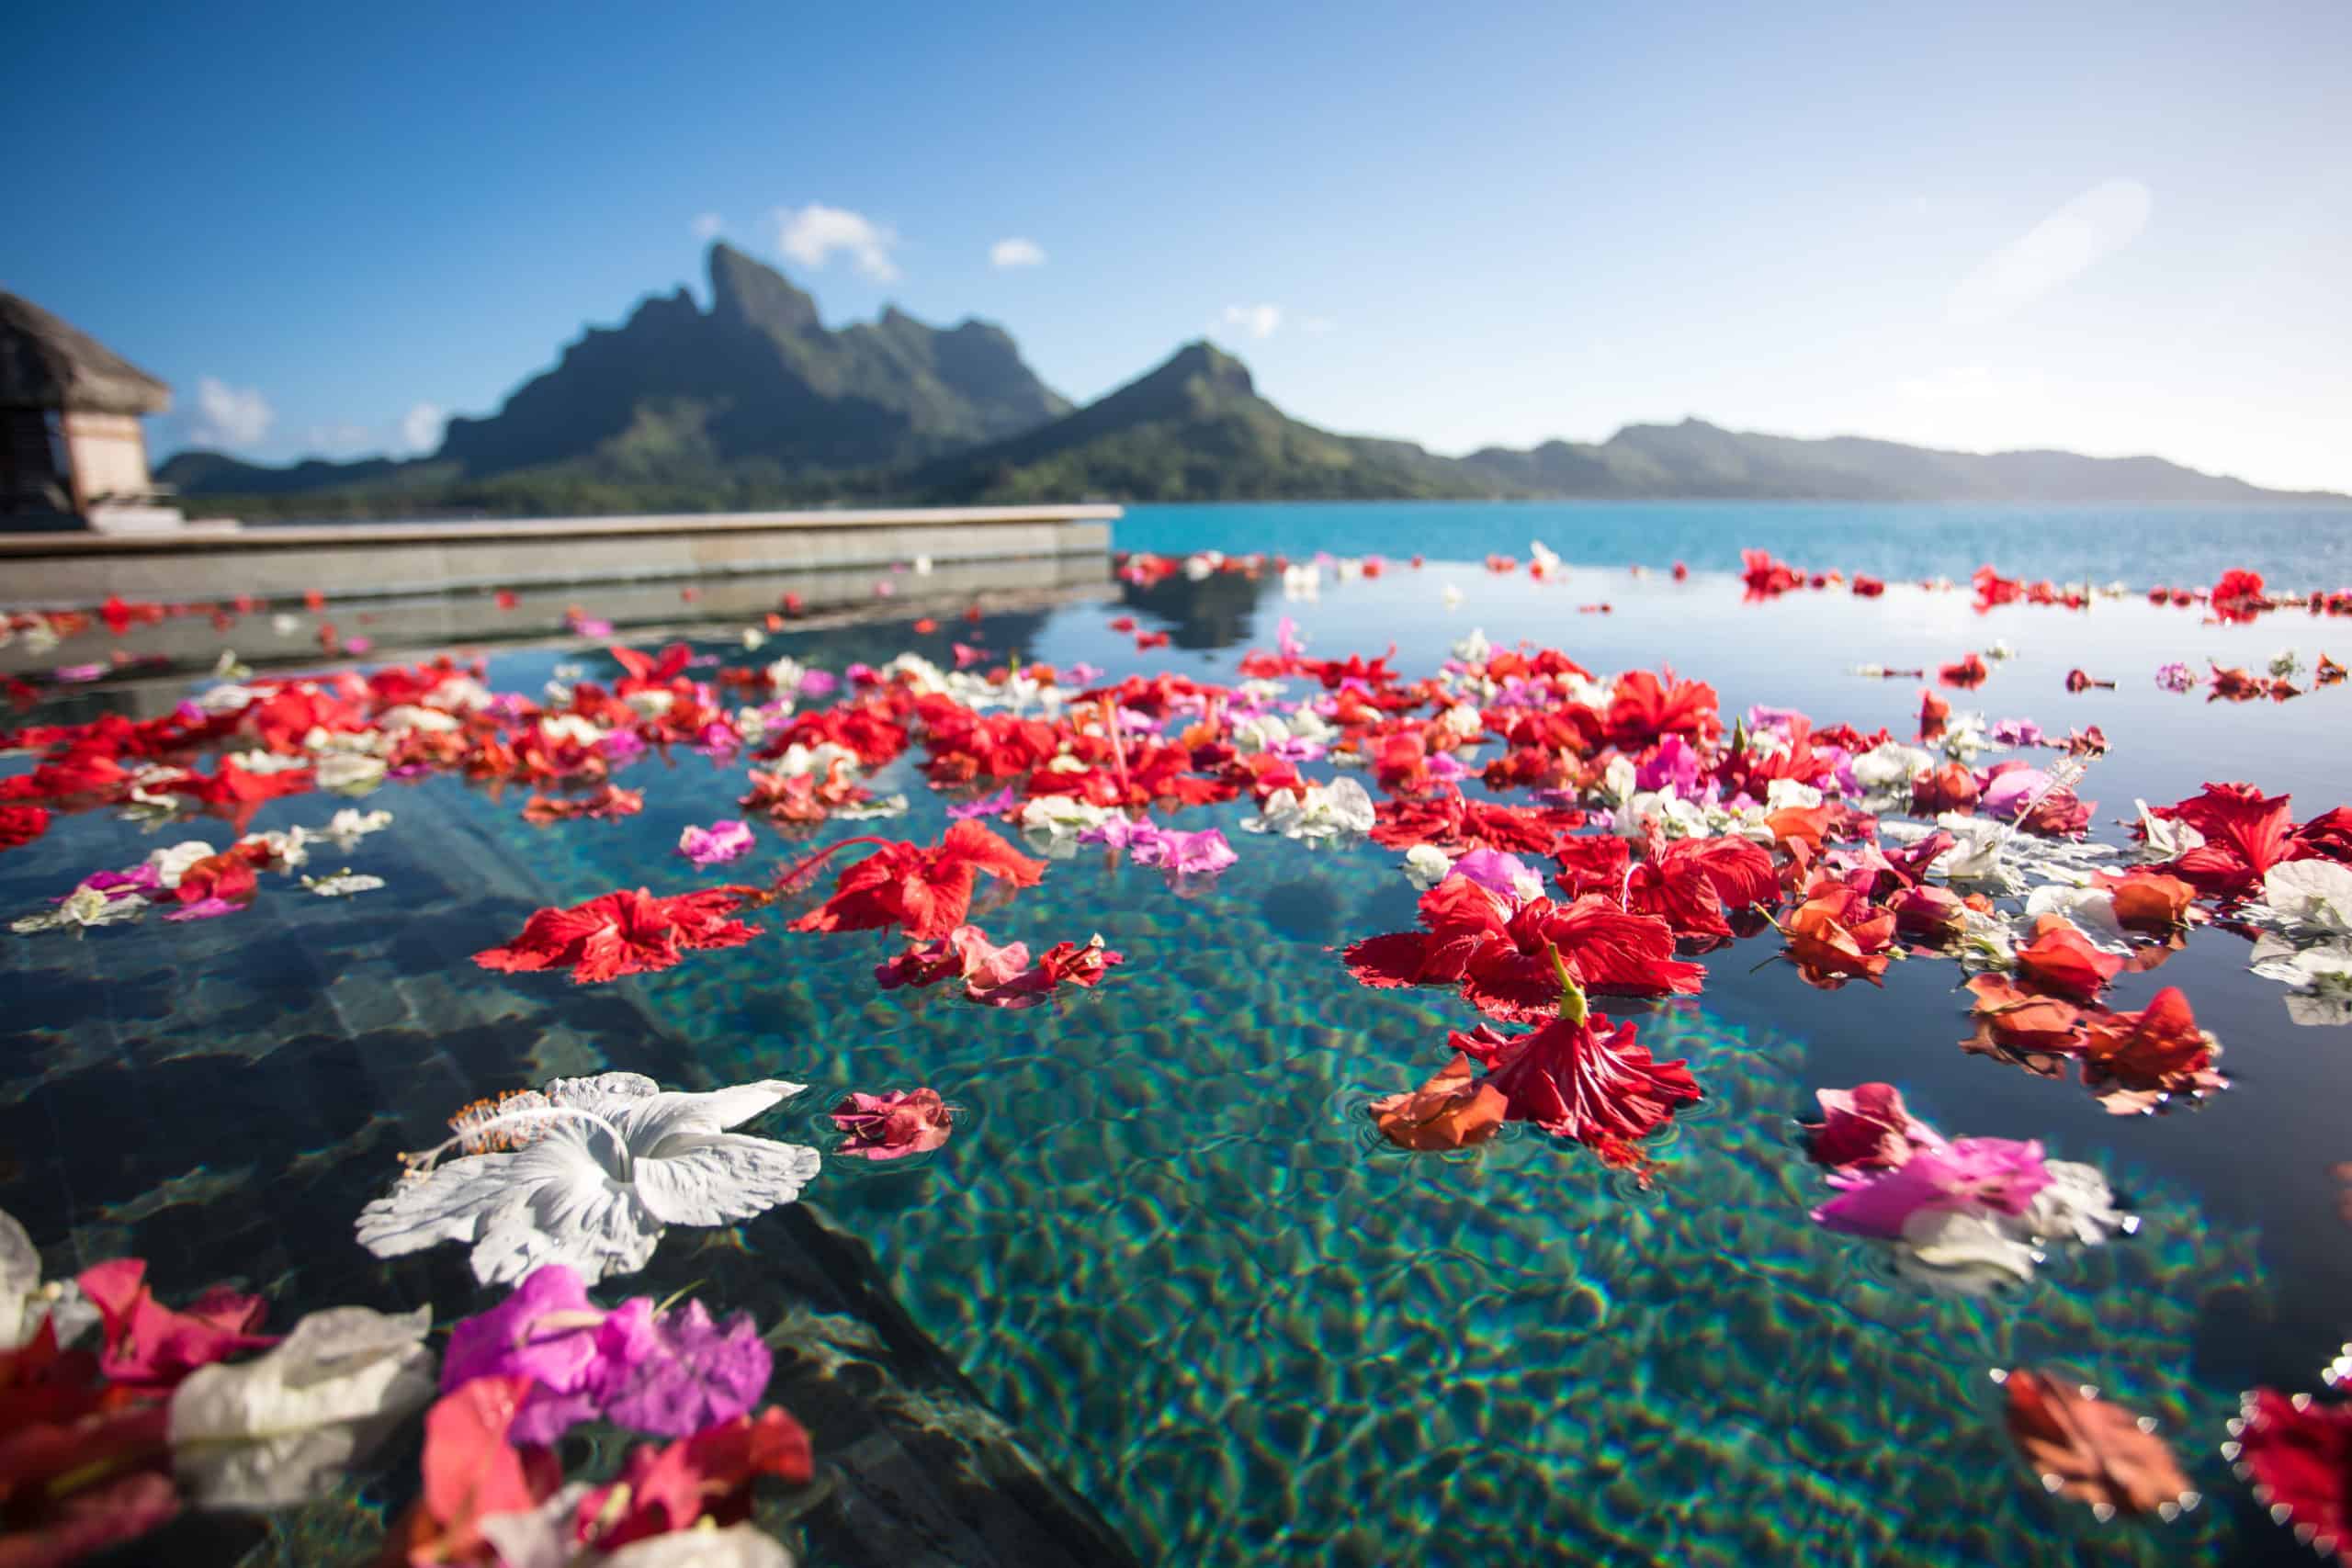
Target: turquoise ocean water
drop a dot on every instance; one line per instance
(2290, 543)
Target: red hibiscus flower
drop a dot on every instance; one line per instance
(1966, 674)
(2060, 959)
(1689, 883)
(1595, 862)
(1508, 963)
(2299, 1453)
(2327, 836)
(20, 824)
(1764, 578)
(1642, 710)
(2245, 834)
(1575, 1077)
(1457, 825)
(1933, 712)
(2239, 595)
(867, 728)
(228, 876)
(647, 674)
(923, 890)
(1401, 762)
(626, 933)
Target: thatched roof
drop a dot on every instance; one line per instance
(48, 364)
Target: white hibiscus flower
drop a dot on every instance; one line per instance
(81, 908)
(343, 883)
(2321, 973)
(1968, 1251)
(350, 825)
(2091, 909)
(2315, 897)
(1426, 866)
(1886, 770)
(2166, 838)
(1337, 809)
(605, 1166)
(1050, 824)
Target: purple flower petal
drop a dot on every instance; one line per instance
(674, 1375)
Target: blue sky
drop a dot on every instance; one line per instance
(2111, 228)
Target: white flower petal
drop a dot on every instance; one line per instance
(2077, 1205)
(539, 1537)
(603, 1094)
(737, 1546)
(2314, 893)
(565, 1207)
(1426, 866)
(19, 1279)
(2091, 910)
(675, 1112)
(2321, 1008)
(716, 1180)
(282, 1429)
(1961, 1251)
(447, 1204)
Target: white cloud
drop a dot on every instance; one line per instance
(2062, 246)
(228, 416)
(1257, 321)
(811, 234)
(420, 428)
(708, 225)
(1016, 252)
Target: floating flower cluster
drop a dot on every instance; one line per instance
(1959, 1214)
(194, 1408)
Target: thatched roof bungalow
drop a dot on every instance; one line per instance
(70, 406)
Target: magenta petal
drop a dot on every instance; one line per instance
(672, 1376)
(1998, 1174)
(504, 1339)
(1496, 871)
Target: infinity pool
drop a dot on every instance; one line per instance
(1165, 1239)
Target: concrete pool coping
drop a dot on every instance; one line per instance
(75, 571)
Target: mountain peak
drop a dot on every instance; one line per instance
(750, 293)
(1203, 360)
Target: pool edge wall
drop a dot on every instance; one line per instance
(58, 571)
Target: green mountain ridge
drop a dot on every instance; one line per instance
(754, 403)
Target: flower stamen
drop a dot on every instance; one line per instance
(510, 1123)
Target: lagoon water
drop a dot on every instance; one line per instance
(1163, 1239)
(2187, 544)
